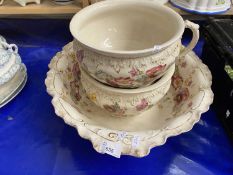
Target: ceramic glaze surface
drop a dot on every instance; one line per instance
(125, 27)
(12, 87)
(2, 39)
(189, 96)
(126, 73)
(128, 28)
(204, 6)
(117, 43)
(124, 102)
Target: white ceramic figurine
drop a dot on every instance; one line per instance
(13, 73)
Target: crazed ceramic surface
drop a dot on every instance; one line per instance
(189, 96)
(118, 44)
(126, 102)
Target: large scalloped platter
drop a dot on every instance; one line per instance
(189, 96)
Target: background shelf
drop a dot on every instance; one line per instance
(49, 9)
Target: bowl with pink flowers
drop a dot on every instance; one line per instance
(125, 102)
(129, 44)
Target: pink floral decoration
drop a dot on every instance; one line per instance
(143, 104)
(182, 95)
(120, 81)
(80, 55)
(133, 72)
(115, 109)
(74, 85)
(177, 81)
(112, 83)
(184, 64)
(76, 71)
(153, 71)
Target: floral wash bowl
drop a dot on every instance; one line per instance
(126, 73)
(126, 102)
(188, 97)
(118, 44)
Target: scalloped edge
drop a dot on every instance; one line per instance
(146, 145)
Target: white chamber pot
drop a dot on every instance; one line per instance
(129, 43)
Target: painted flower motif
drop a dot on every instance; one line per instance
(120, 81)
(115, 109)
(92, 96)
(77, 95)
(80, 55)
(182, 95)
(75, 87)
(188, 82)
(88, 110)
(177, 81)
(142, 105)
(190, 104)
(184, 64)
(76, 71)
(133, 72)
(153, 71)
(112, 83)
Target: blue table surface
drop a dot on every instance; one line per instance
(37, 142)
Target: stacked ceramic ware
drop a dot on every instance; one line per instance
(127, 60)
(126, 53)
(12, 72)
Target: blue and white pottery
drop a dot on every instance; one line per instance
(203, 6)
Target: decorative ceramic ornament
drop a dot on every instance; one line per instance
(203, 6)
(126, 72)
(2, 39)
(118, 44)
(9, 61)
(189, 96)
(25, 2)
(13, 74)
